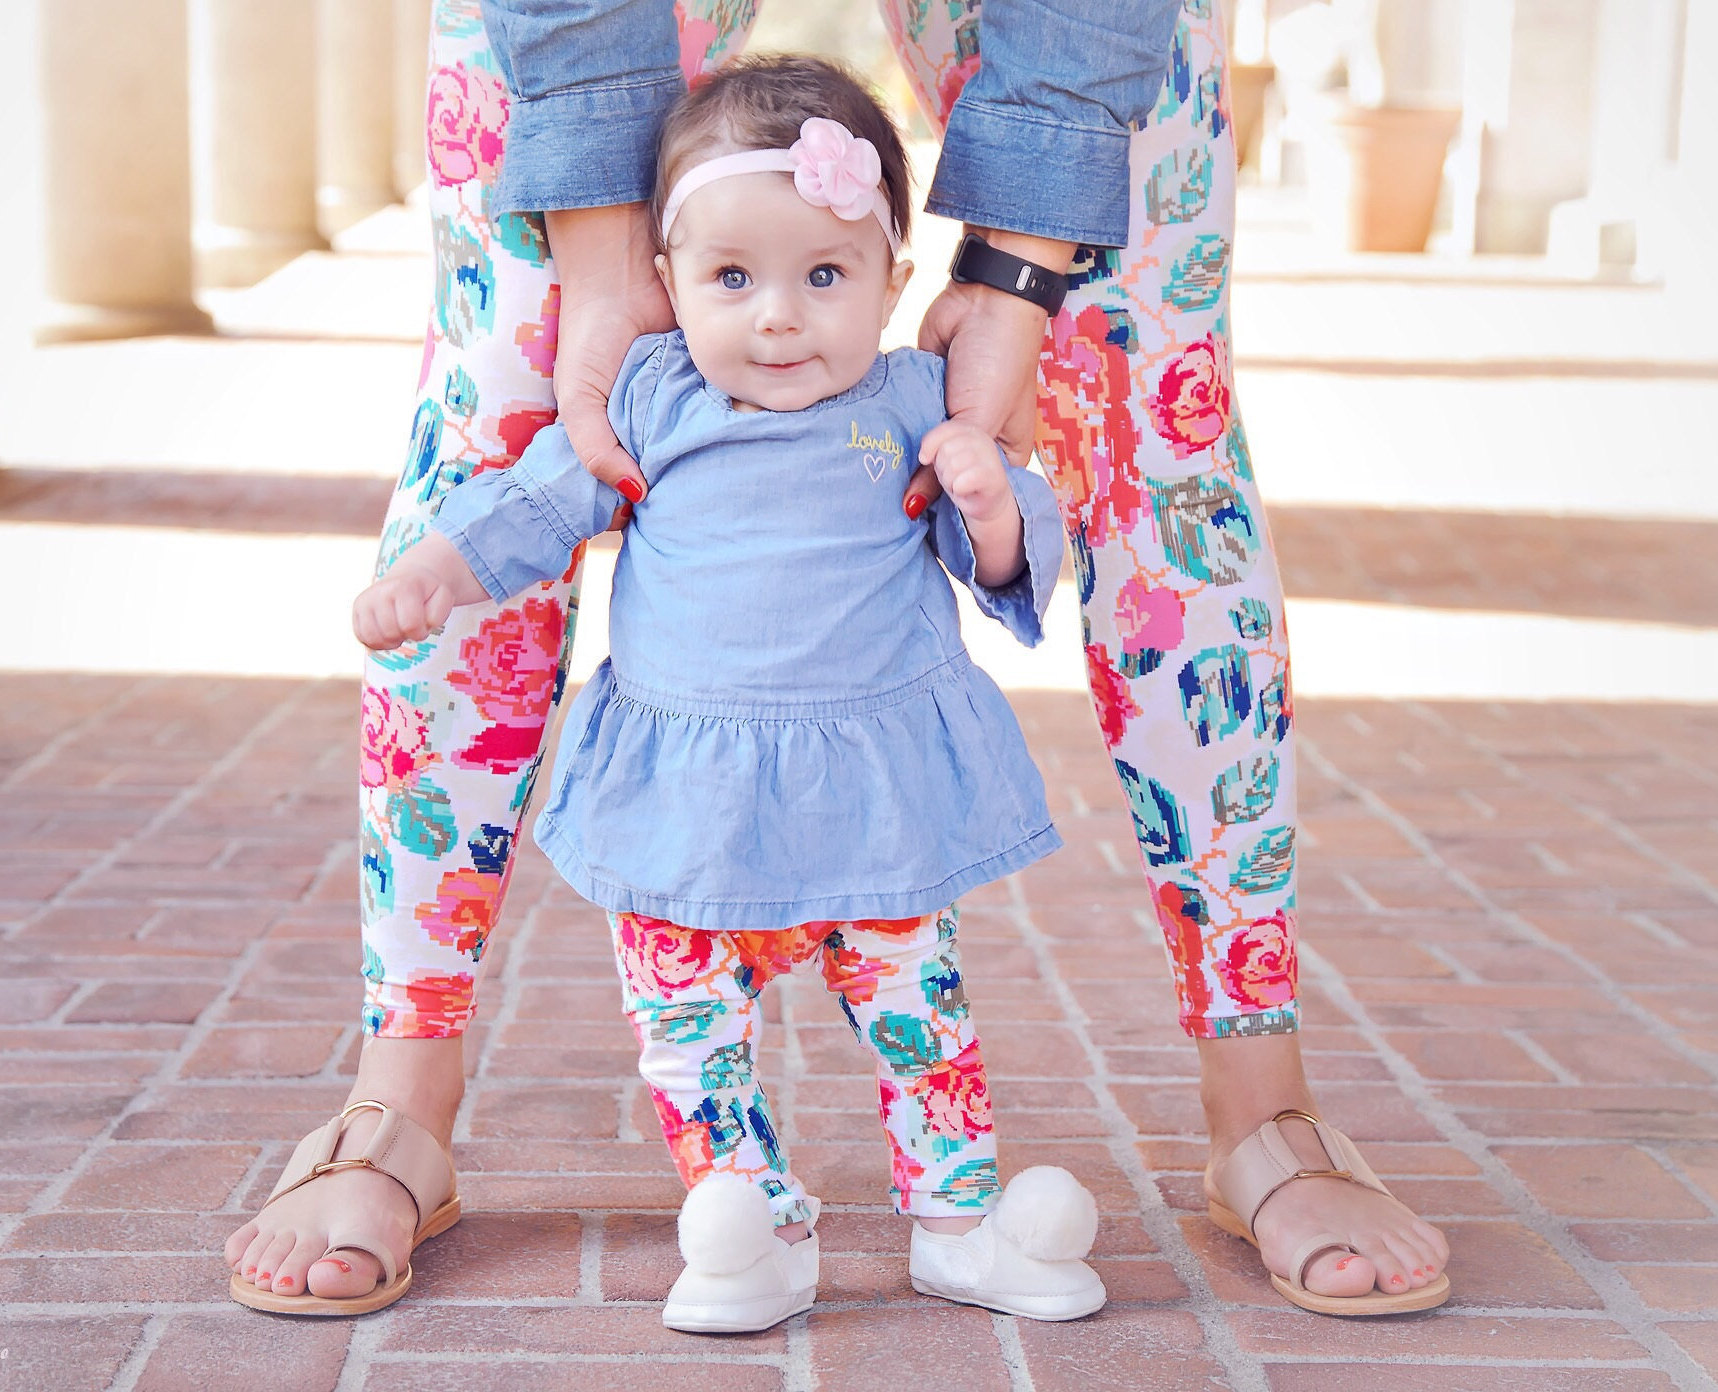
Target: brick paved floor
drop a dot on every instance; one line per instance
(1510, 951)
(1511, 927)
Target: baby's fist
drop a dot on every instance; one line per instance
(970, 469)
(405, 604)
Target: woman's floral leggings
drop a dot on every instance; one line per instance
(1139, 433)
(693, 1000)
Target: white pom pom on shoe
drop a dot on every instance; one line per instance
(1047, 1214)
(725, 1225)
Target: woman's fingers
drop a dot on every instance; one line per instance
(923, 489)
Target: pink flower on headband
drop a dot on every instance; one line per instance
(834, 169)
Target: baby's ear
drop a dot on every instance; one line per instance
(899, 275)
(667, 275)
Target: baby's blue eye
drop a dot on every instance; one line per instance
(734, 279)
(823, 277)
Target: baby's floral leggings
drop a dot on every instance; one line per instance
(692, 997)
(1139, 432)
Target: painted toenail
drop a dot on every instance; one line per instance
(1395, 1280)
(250, 1271)
(266, 1276)
(344, 1266)
(1343, 1264)
(1418, 1272)
(285, 1282)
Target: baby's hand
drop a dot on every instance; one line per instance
(414, 598)
(971, 470)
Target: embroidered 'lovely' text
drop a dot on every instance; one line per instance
(882, 453)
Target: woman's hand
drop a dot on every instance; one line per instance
(992, 341)
(415, 597)
(610, 294)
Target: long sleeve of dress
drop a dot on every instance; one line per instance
(1020, 604)
(518, 526)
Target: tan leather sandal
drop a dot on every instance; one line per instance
(407, 1154)
(1262, 1164)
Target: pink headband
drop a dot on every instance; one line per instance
(831, 167)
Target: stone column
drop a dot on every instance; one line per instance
(116, 170)
(1528, 99)
(355, 111)
(1681, 242)
(1629, 142)
(253, 136)
(411, 91)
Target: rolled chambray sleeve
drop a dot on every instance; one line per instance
(590, 81)
(1019, 605)
(516, 527)
(1038, 141)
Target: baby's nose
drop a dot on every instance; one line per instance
(778, 311)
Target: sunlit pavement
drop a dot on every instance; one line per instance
(1498, 524)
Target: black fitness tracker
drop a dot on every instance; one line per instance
(977, 262)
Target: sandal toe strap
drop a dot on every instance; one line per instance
(1265, 1162)
(1307, 1253)
(356, 1240)
(399, 1148)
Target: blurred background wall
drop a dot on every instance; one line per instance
(168, 146)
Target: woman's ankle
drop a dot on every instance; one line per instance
(424, 1078)
(1246, 1080)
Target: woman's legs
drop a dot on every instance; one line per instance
(1185, 646)
(453, 728)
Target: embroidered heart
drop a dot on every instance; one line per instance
(874, 466)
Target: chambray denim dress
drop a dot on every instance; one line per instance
(788, 727)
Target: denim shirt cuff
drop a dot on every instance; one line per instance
(1019, 606)
(506, 526)
(1003, 168)
(585, 147)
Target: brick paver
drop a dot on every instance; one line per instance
(1510, 952)
(1535, 1077)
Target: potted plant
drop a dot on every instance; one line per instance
(1376, 176)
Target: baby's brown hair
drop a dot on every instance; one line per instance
(759, 103)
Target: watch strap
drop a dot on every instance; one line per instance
(977, 262)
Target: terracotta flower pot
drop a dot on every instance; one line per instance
(1248, 83)
(1375, 179)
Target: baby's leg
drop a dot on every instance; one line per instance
(692, 999)
(1019, 1253)
(900, 987)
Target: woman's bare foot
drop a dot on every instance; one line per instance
(1247, 1081)
(281, 1248)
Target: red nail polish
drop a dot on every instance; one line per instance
(250, 1271)
(266, 1276)
(286, 1283)
(629, 489)
(916, 503)
(1418, 1272)
(344, 1266)
(1343, 1264)
(1395, 1280)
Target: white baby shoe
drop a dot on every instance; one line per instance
(1024, 1258)
(739, 1277)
